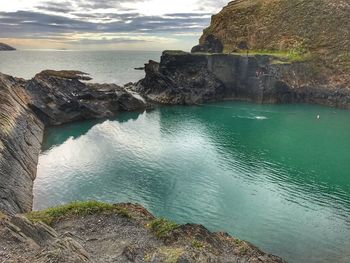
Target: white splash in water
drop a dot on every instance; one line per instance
(260, 118)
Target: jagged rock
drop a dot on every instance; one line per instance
(60, 97)
(21, 134)
(180, 78)
(210, 44)
(114, 236)
(24, 241)
(184, 78)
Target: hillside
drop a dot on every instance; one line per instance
(305, 30)
(5, 47)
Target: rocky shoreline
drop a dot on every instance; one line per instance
(98, 232)
(185, 78)
(28, 106)
(57, 97)
(91, 231)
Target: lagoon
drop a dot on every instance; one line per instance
(273, 175)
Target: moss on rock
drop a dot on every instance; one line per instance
(78, 208)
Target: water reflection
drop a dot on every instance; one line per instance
(264, 180)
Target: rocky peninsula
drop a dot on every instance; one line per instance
(5, 47)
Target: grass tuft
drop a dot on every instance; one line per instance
(78, 208)
(281, 56)
(162, 227)
(198, 244)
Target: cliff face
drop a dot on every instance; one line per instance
(5, 47)
(20, 142)
(61, 97)
(266, 51)
(26, 107)
(315, 32)
(317, 26)
(184, 78)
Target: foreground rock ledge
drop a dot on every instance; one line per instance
(99, 232)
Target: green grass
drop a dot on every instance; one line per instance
(282, 56)
(51, 215)
(197, 244)
(162, 227)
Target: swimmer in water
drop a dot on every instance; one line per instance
(318, 117)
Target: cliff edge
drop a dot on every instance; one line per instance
(265, 51)
(315, 32)
(100, 232)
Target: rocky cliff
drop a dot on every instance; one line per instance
(317, 26)
(28, 106)
(21, 133)
(99, 232)
(315, 33)
(5, 47)
(266, 51)
(185, 78)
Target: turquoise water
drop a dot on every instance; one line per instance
(104, 66)
(270, 174)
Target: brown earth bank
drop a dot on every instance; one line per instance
(99, 232)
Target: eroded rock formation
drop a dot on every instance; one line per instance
(21, 133)
(27, 107)
(184, 78)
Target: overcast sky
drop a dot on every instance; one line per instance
(105, 24)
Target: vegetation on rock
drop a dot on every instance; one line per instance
(317, 31)
(162, 227)
(78, 208)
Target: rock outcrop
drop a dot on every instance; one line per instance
(97, 232)
(27, 107)
(21, 133)
(61, 97)
(180, 78)
(266, 51)
(184, 78)
(5, 47)
(211, 44)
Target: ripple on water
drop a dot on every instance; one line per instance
(282, 184)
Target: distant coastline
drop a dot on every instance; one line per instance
(5, 47)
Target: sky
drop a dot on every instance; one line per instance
(105, 24)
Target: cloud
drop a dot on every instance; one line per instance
(56, 20)
(24, 23)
